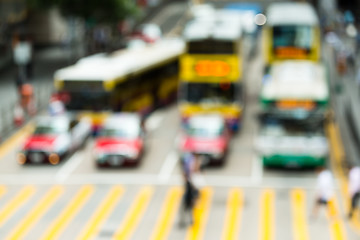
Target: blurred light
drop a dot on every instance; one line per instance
(351, 30)
(21, 158)
(260, 19)
(54, 159)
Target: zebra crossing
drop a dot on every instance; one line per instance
(151, 212)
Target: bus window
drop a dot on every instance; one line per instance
(211, 47)
(210, 93)
(98, 101)
(292, 36)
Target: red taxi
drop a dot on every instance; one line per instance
(120, 141)
(53, 138)
(206, 135)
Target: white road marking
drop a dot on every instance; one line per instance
(257, 171)
(154, 121)
(168, 166)
(153, 179)
(68, 167)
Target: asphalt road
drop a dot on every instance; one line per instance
(240, 200)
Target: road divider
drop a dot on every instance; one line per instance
(69, 167)
(168, 166)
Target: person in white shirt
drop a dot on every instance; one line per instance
(324, 188)
(354, 188)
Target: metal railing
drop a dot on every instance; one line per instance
(42, 94)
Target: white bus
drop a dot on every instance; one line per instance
(131, 80)
(294, 98)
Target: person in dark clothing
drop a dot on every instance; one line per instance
(188, 201)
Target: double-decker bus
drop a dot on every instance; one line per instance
(130, 80)
(292, 31)
(294, 99)
(211, 68)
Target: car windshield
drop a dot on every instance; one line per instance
(44, 130)
(204, 131)
(127, 133)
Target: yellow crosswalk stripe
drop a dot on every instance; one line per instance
(9, 209)
(267, 215)
(134, 214)
(35, 214)
(2, 190)
(101, 213)
(201, 213)
(167, 214)
(15, 139)
(233, 215)
(298, 207)
(337, 229)
(69, 212)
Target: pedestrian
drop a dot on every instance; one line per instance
(188, 202)
(354, 188)
(23, 57)
(191, 193)
(56, 106)
(324, 190)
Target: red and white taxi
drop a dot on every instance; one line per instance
(53, 138)
(120, 141)
(207, 136)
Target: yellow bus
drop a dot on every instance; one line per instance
(131, 80)
(292, 31)
(210, 70)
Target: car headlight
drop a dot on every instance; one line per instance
(99, 154)
(131, 153)
(21, 158)
(217, 155)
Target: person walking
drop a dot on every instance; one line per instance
(324, 190)
(354, 188)
(191, 193)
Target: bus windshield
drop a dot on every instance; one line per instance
(292, 36)
(211, 47)
(277, 126)
(94, 101)
(209, 93)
